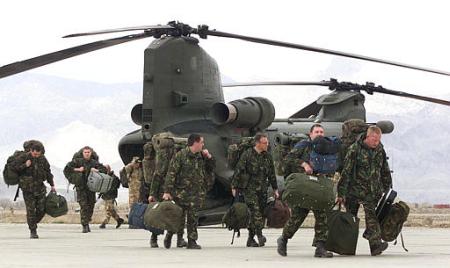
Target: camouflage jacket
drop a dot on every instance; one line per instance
(87, 164)
(189, 177)
(32, 177)
(254, 171)
(372, 177)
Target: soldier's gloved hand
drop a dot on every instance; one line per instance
(53, 189)
(167, 196)
(151, 199)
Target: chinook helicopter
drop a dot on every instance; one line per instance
(182, 93)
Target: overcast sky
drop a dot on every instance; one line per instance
(413, 32)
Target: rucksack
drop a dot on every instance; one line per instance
(55, 205)
(74, 177)
(324, 153)
(10, 176)
(123, 177)
(352, 130)
(277, 214)
(237, 216)
(28, 144)
(148, 163)
(236, 150)
(392, 224)
(284, 142)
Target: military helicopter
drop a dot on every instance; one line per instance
(182, 93)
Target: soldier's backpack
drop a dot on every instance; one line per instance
(79, 154)
(343, 229)
(136, 215)
(392, 224)
(123, 177)
(10, 176)
(237, 216)
(311, 192)
(165, 215)
(148, 163)
(277, 214)
(28, 144)
(55, 205)
(236, 150)
(99, 182)
(75, 178)
(284, 142)
(324, 153)
(352, 130)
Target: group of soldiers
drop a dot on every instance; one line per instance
(186, 177)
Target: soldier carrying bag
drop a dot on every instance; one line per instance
(55, 205)
(237, 216)
(343, 229)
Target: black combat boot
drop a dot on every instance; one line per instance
(251, 240)
(154, 241)
(102, 226)
(261, 239)
(321, 252)
(192, 244)
(119, 222)
(181, 243)
(168, 240)
(282, 246)
(85, 229)
(378, 248)
(33, 234)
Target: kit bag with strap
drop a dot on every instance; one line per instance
(55, 205)
(99, 182)
(165, 215)
(277, 214)
(136, 215)
(307, 191)
(10, 176)
(236, 150)
(392, 224)
(147, 220)
(237, 216)
(343, 229)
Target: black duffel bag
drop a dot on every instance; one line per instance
(343, 229)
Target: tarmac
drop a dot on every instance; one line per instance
(63, 245)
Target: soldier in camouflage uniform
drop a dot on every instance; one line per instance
(365, 176)
(189, 177)
(297, 161)
(135, 175)
(34, 169)
(253, 172)
(110, 200)
(85, 197)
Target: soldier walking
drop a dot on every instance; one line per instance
(365, 176)
(33, 169)
(84, 163)
(110, 202)
(189, 177)
(135, 175)
(298, 161)
(254, 171)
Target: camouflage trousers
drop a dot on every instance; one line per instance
(299, 216)
(134, 193)
(190, 220)
(373, 231)
(86, 199)
(256, 202)
(110, 211)
(35, 205)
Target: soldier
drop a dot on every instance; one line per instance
(189, 177)
(34, 169)
(162, 160)
(254, 170)
(365, 176)
(135, 175)
(110, 200)
(298, 161)
(85, 164)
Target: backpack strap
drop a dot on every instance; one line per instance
(17, 194)
(403, 242)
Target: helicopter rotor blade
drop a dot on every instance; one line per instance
(277, 83)
(205, 31)
(135, 28)
(25, 65)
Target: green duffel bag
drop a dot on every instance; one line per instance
(311, 192)
(75, 178)
(343, 229)
(164, 215)
(55, 205)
